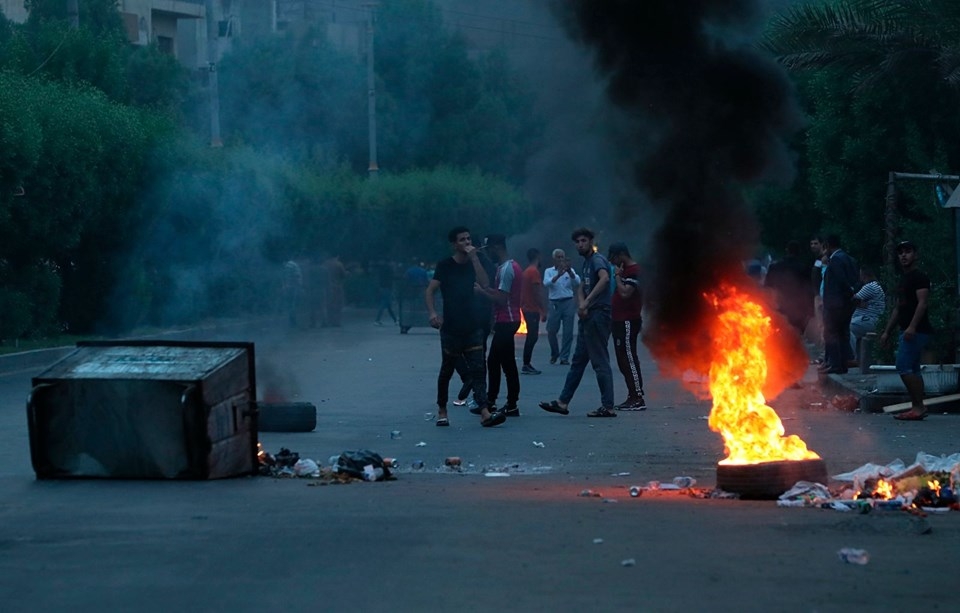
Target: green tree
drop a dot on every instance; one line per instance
(295, 93)
(872, 41)
(878, 78)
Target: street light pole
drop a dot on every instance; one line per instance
(373, 168)
(213, 56)
(73, 13)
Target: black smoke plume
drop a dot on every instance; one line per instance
(711, 116)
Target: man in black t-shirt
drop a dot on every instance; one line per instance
(910, 315)
(460, 333)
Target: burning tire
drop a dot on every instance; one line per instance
(286, 417)
(767, 480)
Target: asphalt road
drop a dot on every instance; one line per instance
(438, 540)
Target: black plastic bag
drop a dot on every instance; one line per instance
(355, 463)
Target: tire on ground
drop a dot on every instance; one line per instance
(767, 480)
(286, 417)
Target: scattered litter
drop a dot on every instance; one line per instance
(619, 474)
(306, 468)
(418, 465)
(496, 474)
(635, 491)
(538, 444)
(395, 434)
(363, 464)
(452, 461)
(590, 494)
(653, 485)
(847, 402)
(344, 468)
(421, 444)
(854, 556)
(428, 417)
(597, 541)
(684, 482)
(610, 500)
(628, 562)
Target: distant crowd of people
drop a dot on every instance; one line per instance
(486, 291)
(844, 302)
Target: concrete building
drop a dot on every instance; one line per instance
(178, 27)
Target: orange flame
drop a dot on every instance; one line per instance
(752, 431)
(884, 490)
(935, 486)
(523, 324)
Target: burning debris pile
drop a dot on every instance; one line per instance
(706, 116)
(929, 485)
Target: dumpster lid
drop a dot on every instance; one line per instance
(165, 361)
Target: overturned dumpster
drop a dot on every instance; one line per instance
(146, 410)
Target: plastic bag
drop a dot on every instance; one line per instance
(356, 463)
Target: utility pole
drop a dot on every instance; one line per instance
(73, 14)
(373, 169)
(213, 57)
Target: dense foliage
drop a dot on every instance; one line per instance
(878, 80)
(112, 216)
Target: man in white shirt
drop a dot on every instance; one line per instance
(561, 282)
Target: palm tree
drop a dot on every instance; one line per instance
(874, 41)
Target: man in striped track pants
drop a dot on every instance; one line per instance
(627, 304)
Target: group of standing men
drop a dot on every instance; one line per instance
(850, 303)
(606, 296)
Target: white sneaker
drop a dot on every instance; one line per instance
(459, 403)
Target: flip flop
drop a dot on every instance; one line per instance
(910, 415)
(554, 407)
(495, 419)
(443, 422)
(602, 412)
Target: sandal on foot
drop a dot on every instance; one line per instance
(495, 419)
(554, 407)
(443, 422)
(911, 415)
(602, 412)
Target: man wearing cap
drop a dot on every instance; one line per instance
(593, 309)
(627, 306)
(910, 314)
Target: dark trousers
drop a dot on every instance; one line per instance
(625, 334)
(533, 333)
(592, 338)
(502, 358)
(464, 372)
(385, 296)
(836, 337)
(469, 348)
